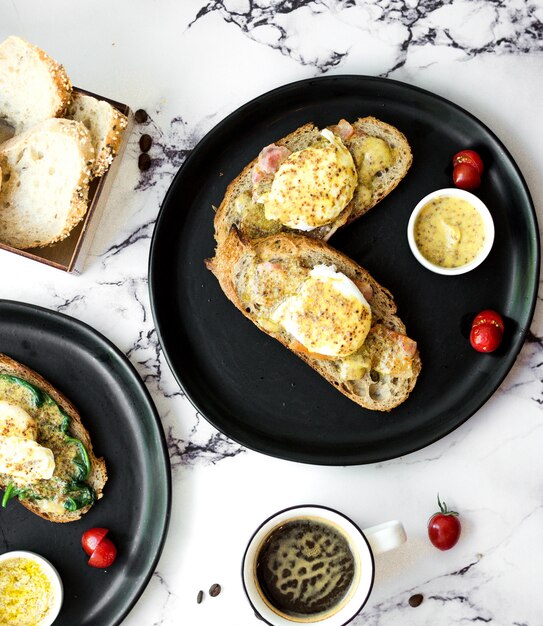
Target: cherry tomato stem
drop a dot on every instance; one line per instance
(444, 527)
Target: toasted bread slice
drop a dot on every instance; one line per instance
(46, 173)
(98, 474)
(294, 256)
(375, 181)
(385, 179)
(33, 87)
(105, 124)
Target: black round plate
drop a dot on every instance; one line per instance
(252, 388)
(125, 429)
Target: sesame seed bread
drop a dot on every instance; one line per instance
(237, 208)
(294, 255)
(45, 179)
(33, 87)
(105, 124)
(98, 474)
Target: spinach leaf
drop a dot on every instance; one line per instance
(81, 461)
(65, 421)
(79, 495)
(12, 491)
(37, 395)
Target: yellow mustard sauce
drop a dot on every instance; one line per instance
(449, 232)
(372, 156)
(26, 594)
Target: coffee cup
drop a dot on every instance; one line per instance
(313, 565)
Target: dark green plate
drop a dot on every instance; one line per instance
(252, 388)
(125, 429)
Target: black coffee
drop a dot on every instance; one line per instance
(305, 567)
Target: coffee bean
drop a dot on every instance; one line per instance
(144, 161)
(146, 141)
(416, 600)
(214, 590)
(141, 116)
(200, 597)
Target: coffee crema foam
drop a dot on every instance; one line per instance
(305, 567)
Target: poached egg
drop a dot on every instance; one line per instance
(312, 186)
(328, 315)
(21, 456)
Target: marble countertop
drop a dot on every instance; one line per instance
(189, 64)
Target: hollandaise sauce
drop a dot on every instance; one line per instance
(449, 232)
(26, 594)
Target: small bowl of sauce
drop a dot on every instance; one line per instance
(450, 231)
(31, 591)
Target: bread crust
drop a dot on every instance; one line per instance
(302, 137)
(16, 50)
(79, 202)
(404, 158)
(381, 395)
(59, 77)
(107, 146)
(98, 474)
(112, 144)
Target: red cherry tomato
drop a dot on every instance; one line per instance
(485, 337)
(100, 548)
(489, 317)
(469, 157)
(466, 177)
(444, 527)
(91, 538)
(486, 331)
(104, 555)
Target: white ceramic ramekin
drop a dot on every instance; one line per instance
(52, 575)
(483, 211)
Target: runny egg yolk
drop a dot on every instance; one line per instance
(312, 186)
(328, 316)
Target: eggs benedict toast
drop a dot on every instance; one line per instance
(315, 181)
(326, 309)
(46, 455)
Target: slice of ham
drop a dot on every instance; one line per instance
(404, 343)
(365, 289)
(343, 130)
(269, 161)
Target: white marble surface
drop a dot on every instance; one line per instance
(190, 63)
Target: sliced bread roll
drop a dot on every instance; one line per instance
(45, 173)
(97, 476)
(381, 154)
(105, 124)
(33, 87)
(262, 276)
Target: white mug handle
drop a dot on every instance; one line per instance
(386, 536)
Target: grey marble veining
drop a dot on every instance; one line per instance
(191, 63)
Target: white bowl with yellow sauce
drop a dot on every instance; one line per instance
(450, 231)
(31, 591)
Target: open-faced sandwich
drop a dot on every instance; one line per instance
(326, 309)
(46, 455)
(314, 181)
